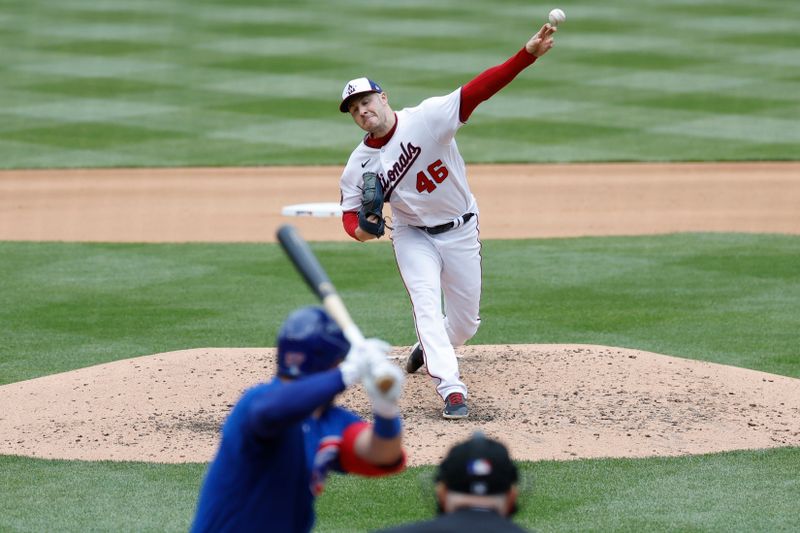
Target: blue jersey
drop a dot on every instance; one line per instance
(270, 464)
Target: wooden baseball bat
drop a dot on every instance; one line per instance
(317, 279)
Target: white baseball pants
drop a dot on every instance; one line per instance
(442, 274)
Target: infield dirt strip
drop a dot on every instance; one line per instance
(544, 401)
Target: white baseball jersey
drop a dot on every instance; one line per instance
(422, 173)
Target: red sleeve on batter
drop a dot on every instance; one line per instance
(352, 463)
(350, 223)
(490, 81)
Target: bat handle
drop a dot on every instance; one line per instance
(335, 307)
(353, 335)
(384, 380)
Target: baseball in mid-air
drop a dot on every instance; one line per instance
(556, 17)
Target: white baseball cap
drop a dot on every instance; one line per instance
(357, 86)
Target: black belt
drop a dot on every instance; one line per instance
(436, 230)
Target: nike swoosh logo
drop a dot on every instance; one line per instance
(364, 163)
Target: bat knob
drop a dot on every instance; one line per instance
(384, 383)
(387, 379)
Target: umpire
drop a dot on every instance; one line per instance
(476, 490)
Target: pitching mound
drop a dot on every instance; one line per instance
(544, 401)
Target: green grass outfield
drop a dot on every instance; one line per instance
(725, 298)
(257, 82)
(106, 83)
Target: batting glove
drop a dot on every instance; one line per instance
(384, 402)
(359, 359)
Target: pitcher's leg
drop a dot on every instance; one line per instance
(420, 267)
(461, 284)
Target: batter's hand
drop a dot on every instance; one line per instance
(539, 44)
(384, 403)
(361, 359)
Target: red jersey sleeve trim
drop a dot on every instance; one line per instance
(490, 81)
(350, 223)
(352, 463)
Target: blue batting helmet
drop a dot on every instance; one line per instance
(309, 342)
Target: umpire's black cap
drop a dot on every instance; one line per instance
(479, 466)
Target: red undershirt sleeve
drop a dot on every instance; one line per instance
(490, 81)
(350, 223)
(351, 462)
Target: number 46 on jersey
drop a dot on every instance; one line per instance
(436, 173)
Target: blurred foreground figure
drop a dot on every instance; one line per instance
(283, 437)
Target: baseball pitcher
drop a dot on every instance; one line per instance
(410, 159)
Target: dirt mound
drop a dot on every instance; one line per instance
(544, 401)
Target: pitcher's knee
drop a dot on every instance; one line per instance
(464, 331)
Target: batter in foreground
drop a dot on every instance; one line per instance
(282, 438)
(409, 158)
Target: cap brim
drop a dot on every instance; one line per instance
(343, 107)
